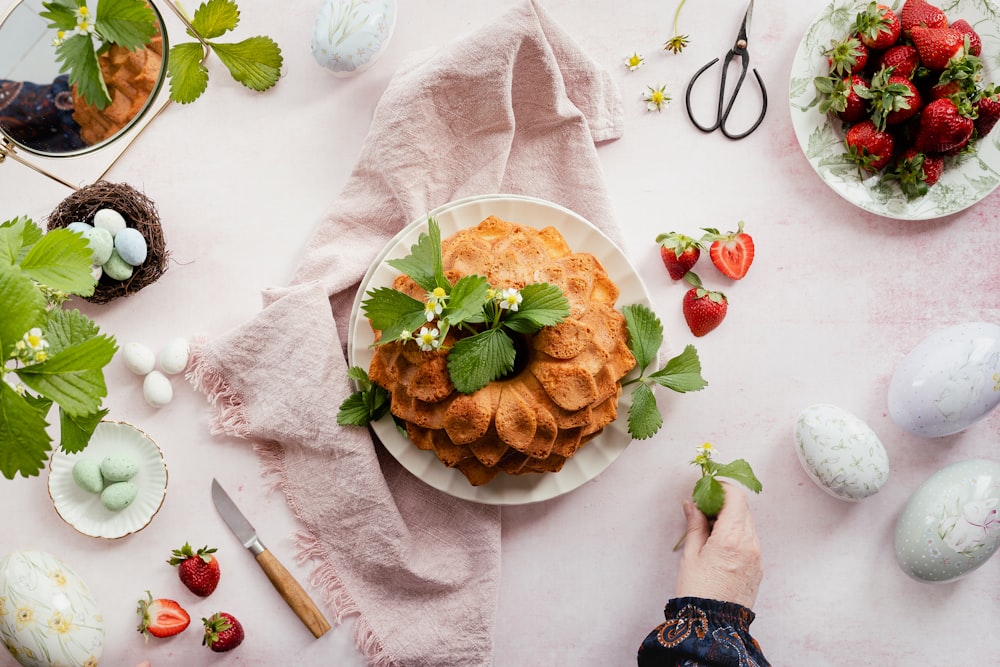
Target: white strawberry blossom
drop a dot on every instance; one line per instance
(509, 299)
(32, 348)
(428, 339)
(435, 303)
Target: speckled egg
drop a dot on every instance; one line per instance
(118, 468)
(157, 390)
(117, 268)
(950, 524)
(99, 240)
(174, 356)
(116, 497)
(87, 475)
(131, 246)
(349, 36)
(138, 358)
(109, 219)
(48, 615)
(949, 381)
(840, 452)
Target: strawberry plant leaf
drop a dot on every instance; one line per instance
(740, 471)
(23, 306)
(24, 441)
(644, 418)
(476, 361)
(188, 76)
(16, 237)
(77, 57)
(645, 334)
(128, 23)
(424, 265)
(60, 13)
(215, 18)
(682, 373)
(255, 62)
(542, 305)
(466, 299)
(391, 312)
(61, 260)
(709, 496)
(75, 431)
(366, 405)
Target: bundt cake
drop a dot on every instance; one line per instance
(566, 381)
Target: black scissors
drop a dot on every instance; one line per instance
(738, 50)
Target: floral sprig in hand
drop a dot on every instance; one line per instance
(676, 43)
(709, 495)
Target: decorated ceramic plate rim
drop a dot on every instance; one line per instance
(582, 236)
(83, 510)
(966, 179)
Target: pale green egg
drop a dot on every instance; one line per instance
(117, 268)
(119, 495)
(118, 468)
(87, 474)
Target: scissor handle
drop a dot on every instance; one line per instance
(724, 108)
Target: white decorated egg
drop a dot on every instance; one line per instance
(349, 35)
(948, 381)
(157, 390)
(109, 219)
(48, 615)
(840, 452)
(174, 356)
(131, 246)
(138, 358)
(950, 525)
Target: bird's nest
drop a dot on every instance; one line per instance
(139, 212)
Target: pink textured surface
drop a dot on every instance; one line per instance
(835, 298)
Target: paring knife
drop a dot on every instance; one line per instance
(281, 579)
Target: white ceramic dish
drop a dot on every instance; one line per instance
(582, 236)
(83, 510)
(965, 181)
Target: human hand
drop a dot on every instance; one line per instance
(721, 562)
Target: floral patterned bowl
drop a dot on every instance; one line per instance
(966, 179)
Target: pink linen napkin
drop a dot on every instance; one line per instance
(515, 107)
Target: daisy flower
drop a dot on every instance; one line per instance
(634, 62)
(428, 339)
(509, 299)
(656, 98)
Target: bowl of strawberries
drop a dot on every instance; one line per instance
(894, 105)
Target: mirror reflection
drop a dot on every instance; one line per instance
(112, 79)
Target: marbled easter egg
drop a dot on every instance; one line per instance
(349, 35)
(950, 524)
(48, 615)
(949, 381)
(840, 452)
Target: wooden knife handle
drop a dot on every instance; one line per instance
(293, 594)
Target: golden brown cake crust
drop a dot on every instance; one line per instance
(567, 389)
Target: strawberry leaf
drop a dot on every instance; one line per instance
(255, 62)
(62, 261)
(476, 361)
(366, 405)
(740, 471)
(542, 305)
(24, 305)
(75, 431)
(424, 265)
(60, 13)
(682, 373)
(645, 334)
(709, 496)
(392, 312)
(128, 23)
(644, 418)
(188, 76)
(466, 299)
(24, 441)
(215, 18)
(76, 56)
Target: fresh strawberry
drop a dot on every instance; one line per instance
(703, 309)
(869, 147)
(161, 617)
(222, 632)
(921, 12)
(847, 56)
(679, 253)
(961, 77)
(732, 252)
(878, 27)
(902, 58)
(198, 570)
(943, 128)
(846, 97)
(916, 172)
(987, 112)
(937, 46)
(892, 99)
(975, 42)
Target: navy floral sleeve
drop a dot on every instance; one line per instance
(702, 633)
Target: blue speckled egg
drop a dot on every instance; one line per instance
(131, 246)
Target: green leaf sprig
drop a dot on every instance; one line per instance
(709, 495)
(681, 373)
(368, 404)
(82, 35)
(255, 62)
(48, 355)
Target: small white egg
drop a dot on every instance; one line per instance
(949, 381)
(157, 390)
(97, 272)
(840, 452)
(138, 358)
(109, 219)
(949, 526)
(117, 268)
(348, 37)
(131, 246)
(174, 356)
(81, 227)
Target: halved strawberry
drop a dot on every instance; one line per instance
(869, 147)
(732, 252)
(678, 252)
(161, 617)
(703, 309)
(877, 26)
(921, 12)
(937, 46)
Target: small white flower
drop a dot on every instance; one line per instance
(32, 348)
(428, 339)
(405, 335)
(435, 303)
(705, 453)
(634, 61)
(59, 38)
(509, 299)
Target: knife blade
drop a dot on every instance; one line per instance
(280, 578)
